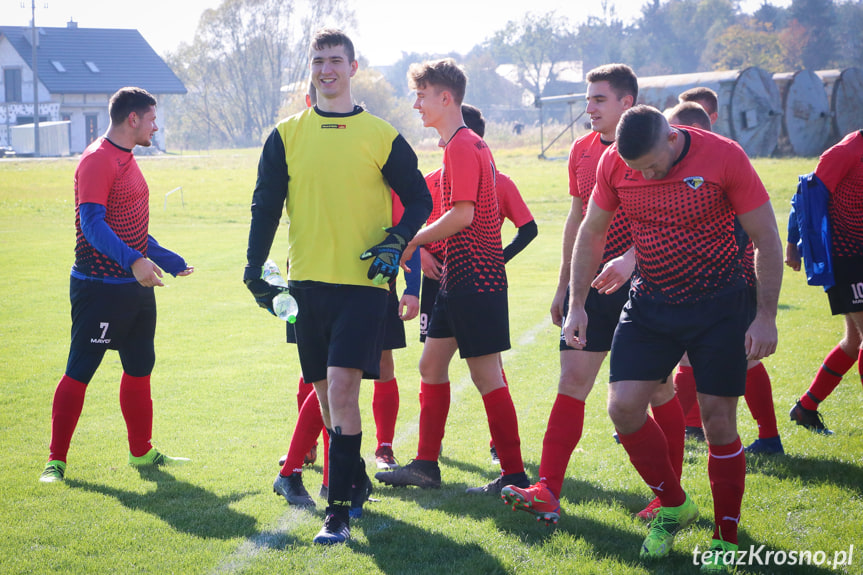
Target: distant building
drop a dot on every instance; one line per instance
(78, 70)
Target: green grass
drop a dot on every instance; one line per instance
(224, 392)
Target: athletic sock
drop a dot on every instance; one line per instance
(503, 424)
(137, 407)
(726, 467)
(759, 399)
(562, 434)
(344, 459)
(669, 418)
(303, 391)
(648, 452)
(434, 408)
(306, 430)
(684, 388)
(836, 364)
(65, 411)
(385, 406)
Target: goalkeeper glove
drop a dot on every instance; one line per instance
(262, 291)
(385, 265)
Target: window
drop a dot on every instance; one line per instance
(12, 82)
(92, 66)
(58, 66)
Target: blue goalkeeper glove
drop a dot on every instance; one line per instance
(385, 265)
(262, 291)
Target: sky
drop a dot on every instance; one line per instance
(385, 28)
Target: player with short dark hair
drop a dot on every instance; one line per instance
(689, 114)
(470, 312)
(704, 96)
(611, 89)
(117, 265)
(759, 392)
(696, 188)
(332, 167)
(841, 170)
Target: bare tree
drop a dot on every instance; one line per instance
(538, 47)
(243, 54)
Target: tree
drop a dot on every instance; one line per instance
(243, 53)
(539, 47)
(742, 46)
(817, 17)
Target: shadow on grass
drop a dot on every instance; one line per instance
(400, 547)
(186, 507)
(809, 469)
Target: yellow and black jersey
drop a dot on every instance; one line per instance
(333, 173)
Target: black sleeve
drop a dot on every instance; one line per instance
(405, 179)
(523, 236)
(268, 201)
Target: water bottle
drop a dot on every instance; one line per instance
(284, 304)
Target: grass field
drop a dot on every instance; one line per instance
(224, 392)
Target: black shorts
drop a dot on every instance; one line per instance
(429, 293)
(394, 327)
(339, 326)
(847, 295)
(603, 313)
(112, 316)
(651, 338)
(479, 322)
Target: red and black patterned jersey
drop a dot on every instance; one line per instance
(512, 206)
(583, 160)
(109, 176)
(473, 258)
(689, 243)
(841, 170)
(433, 182)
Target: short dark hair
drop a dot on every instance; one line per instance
(330, 38)
(639, 130)
(444, 73)
(127, 100)
(473, 119)
(620, 77)
(689, 114)
(704, 96)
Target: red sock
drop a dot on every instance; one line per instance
(836, 364)
(137, 407)
(303, 391)
(648, 452)
(759, 398)
(434, 408)
(726, 467)
(385, 406)
(562, 434)
(503, 424)
(306, 430)
(326, 470)
(669, 418)
(68, 403)
(684, 388)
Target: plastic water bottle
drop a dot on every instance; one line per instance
(284, 304)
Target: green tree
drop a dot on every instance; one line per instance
(742, 46)
(671, 37)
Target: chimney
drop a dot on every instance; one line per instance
(71, 24)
